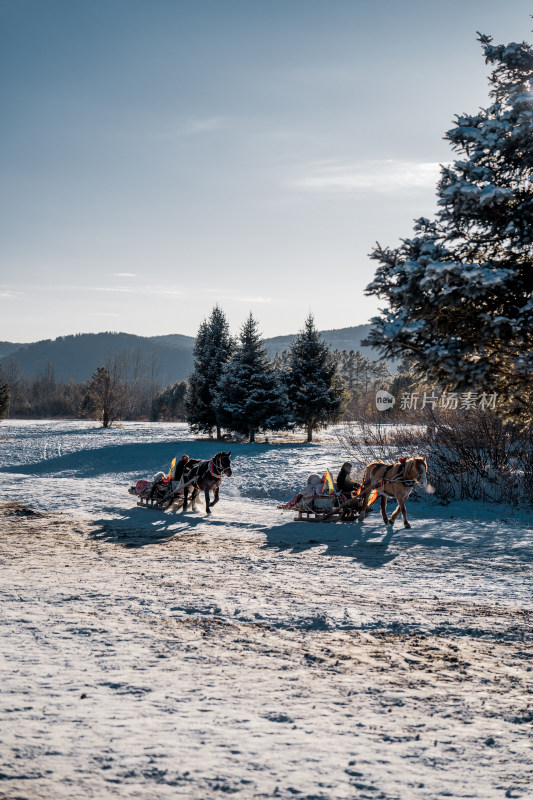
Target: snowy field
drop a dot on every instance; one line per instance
(163, 655)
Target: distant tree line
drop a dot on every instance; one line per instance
(234, 389)
(125, 387)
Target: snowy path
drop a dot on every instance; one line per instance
(151, 655)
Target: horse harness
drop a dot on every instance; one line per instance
(216, 470)
(199, 471)
(408, 482)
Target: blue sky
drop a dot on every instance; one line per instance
(158, 157)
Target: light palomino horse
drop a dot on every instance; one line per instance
(395, 481)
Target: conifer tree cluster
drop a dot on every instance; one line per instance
(460, 291)
(245, 392)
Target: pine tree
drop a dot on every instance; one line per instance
(381, 374)
(358, 372)
(279, 362)
(212, 349)
(4, 396)
(250, 396)
(460, 291)
(169, 403)
(347, 369)
(315, 390)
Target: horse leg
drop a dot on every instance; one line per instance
(404, 514)
(386, 520)
(194, 498)
(401, 507)
(367, 478)
(216, 491)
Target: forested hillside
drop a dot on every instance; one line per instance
(76, 357)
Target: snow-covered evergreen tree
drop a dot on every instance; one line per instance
(316, 391)
(460, 291)
(250, 397)
(212, 349)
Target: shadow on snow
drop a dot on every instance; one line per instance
(140, 527)
(140, 459)
(374, 545)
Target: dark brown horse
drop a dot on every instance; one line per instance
(205, 477)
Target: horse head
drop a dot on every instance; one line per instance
(416, 469)
(222, 463)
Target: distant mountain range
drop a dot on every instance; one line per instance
(76, 357)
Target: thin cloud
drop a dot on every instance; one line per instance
(390, 175)
(198, 127)
(8, 295)
(156, 290)
(99, 314)
(120, 289)
(223, 293)
(251, 299)
(144, 290)
(124, 275)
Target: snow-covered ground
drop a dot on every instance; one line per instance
(161, 655)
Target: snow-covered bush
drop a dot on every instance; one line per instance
(476, 455)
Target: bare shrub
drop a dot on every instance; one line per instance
(471, 454)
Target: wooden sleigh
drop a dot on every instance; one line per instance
(158, 495)
(332, 507)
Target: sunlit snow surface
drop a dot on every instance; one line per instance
(161, 655)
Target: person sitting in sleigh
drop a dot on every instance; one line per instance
(345, 484)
